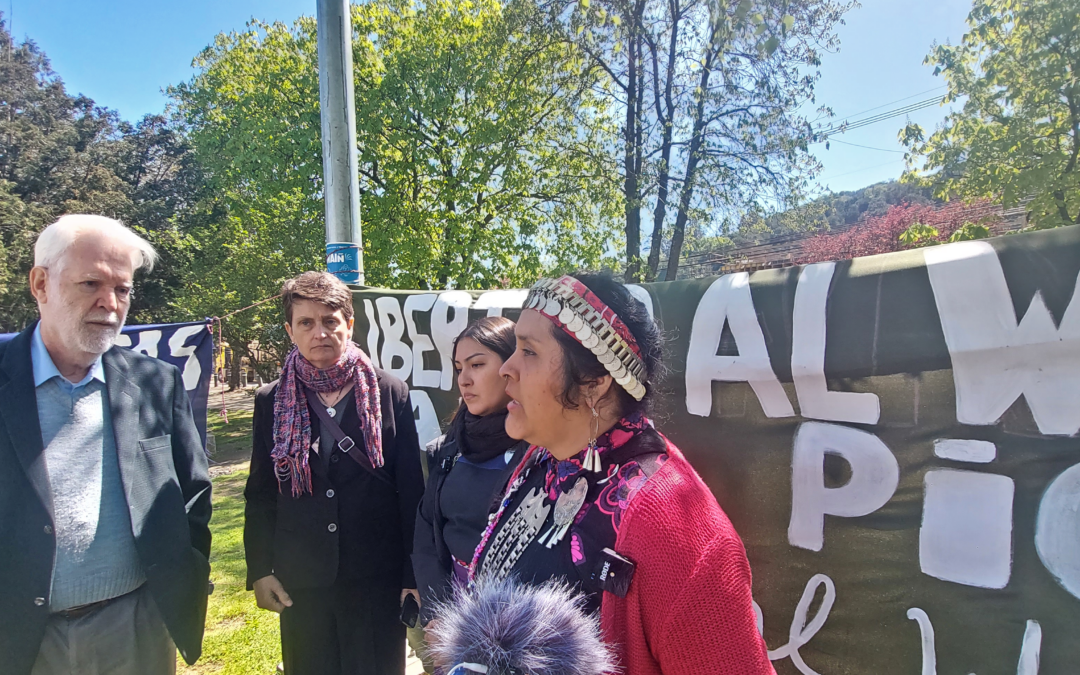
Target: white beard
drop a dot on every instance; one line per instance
(94, 339)
(91, 338)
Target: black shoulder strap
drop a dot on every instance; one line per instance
(344, 442)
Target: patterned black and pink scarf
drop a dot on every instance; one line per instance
(292, 419)
(610, 495)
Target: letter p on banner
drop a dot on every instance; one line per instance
(874, 477)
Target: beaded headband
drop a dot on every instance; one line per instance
(570, 305)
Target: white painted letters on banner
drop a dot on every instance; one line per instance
(148, 342)
(1030, 648)
(874, 477)
(728, 300)
(421, 343)
(449, 316)
(1057, 529)
(394, 349)
(808, 356)
(995, 359)
(496, 301)
(966, 533)
(372, 334)
(178, 347)
(801, 630)
(427, 421)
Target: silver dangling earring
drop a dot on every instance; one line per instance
(592, 455)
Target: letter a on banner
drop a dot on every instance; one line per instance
(729, 300)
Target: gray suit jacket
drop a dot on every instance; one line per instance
(166, 482)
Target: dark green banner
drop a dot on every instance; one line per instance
(895, 438)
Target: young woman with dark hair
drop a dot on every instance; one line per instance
(603, 500)
(467, 466)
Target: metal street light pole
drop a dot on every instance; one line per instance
(341, 184)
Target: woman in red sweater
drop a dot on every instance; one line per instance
(604, 501)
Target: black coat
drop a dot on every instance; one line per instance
(431, 557)
(371, 538)
(166, 483)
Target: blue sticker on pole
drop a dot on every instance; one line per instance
(343, 261)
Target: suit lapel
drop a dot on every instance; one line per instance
(18, 408)
(124, 408)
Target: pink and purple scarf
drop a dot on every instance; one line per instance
(292, 419)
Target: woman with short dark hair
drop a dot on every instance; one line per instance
(467, 466)
(604, 501)
(332, 494)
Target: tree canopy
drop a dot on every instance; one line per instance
(65, 154)
(479, 143)
(481, 147)
(1017, 135)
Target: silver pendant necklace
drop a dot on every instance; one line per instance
(330, 409)
(566, 509)
(516, 535)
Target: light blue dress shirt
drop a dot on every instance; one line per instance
(45, 369)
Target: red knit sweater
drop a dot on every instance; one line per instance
(689, 608)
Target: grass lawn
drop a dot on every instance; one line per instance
(233, 440)
(241, 639)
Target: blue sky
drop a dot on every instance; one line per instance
(123, 53)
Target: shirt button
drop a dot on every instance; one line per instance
(48, 529)
(334, 459)
(39, 601)
(330, 494)
(332, 527)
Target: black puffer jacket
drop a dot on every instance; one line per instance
(477, 489)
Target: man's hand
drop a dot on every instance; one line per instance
(271, 595)
(409, 591)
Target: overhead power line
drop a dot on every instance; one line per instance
(880, 117)
(866, 147)
(899, 100)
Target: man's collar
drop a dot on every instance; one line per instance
(45, 369)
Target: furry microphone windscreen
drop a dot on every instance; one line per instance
(514, 629)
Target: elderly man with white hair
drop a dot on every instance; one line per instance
(105, 494)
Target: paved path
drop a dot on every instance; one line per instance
(412, 664)
(238, 399)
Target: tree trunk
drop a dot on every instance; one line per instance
(234, 370)
(697, 139)
(665, 113)
(631, 186)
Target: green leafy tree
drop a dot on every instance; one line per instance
(478, 142)
(482, 146)
(251, 114)
(64, 154)
(1018, 134)
(919, 235)
(481, 156)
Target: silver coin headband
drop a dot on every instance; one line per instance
(570, 305)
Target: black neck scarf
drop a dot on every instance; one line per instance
(481, 438)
